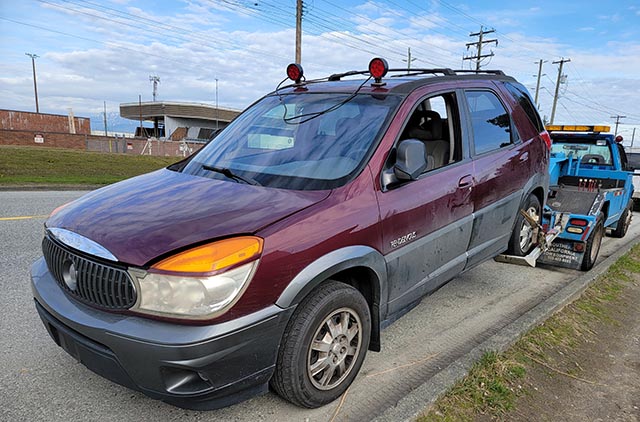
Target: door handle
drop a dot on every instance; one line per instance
(523, 157)
(465, 181)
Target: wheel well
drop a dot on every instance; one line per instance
(539, 193)
(366, 282)
(605, 210)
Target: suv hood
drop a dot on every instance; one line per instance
(142, 218)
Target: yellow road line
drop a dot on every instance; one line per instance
(22, 217)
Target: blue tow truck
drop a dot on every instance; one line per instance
(590, 193)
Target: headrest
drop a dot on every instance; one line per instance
(432, 123)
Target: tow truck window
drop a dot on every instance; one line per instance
(298, 141)
(586, 152)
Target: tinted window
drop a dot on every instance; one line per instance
(490, 121)
(298, 141)
(634, 160)
(521, 95)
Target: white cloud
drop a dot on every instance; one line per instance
(195, 46)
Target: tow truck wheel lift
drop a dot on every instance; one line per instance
(543, 240)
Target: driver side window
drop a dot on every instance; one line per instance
(432, 123)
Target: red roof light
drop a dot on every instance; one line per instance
(378, 67)
(294, 72)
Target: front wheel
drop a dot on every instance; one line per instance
(593, 245)
(323, 346)
(623, 223)
(523, 237)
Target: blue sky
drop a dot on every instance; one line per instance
(93, 51)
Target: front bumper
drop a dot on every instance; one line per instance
(195, 367)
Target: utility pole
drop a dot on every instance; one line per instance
(217, 110)
(298, 31)
(409, 59)
(555, 96)
(155, 80)
(538, 83)
(478, 44)
(35, 84)
(617, 117)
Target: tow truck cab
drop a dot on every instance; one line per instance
(590, 185)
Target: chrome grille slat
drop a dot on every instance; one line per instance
(98, 284)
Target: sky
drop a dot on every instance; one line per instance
(96, 51)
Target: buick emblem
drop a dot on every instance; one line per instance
(70, 274)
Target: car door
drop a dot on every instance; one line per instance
(501, 164)
(426, 223)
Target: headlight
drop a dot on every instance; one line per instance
(200, 283)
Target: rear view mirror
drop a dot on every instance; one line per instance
(410, 161)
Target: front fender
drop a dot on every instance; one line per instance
(332, 263)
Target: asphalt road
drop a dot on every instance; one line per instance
(40, 382)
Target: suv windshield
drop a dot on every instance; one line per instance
(323, 148)
(587, 151)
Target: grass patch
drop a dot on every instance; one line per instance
(493, 385)
(42, 166)
(486, 389)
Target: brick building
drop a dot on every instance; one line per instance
(43, 122)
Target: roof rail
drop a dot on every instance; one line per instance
(338, 76)
(414, 72)
(407, 72)
(494, 72)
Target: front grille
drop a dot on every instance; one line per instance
(89, 281)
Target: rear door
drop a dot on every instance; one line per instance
(501, 164)
(427, 222)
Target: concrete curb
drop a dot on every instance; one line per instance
(416, 402)
(46, 187)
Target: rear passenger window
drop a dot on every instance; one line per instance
(490, 121)
(523, 98)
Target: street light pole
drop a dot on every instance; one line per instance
(217, 110)
(35, 84)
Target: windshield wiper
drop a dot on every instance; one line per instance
(231, 175)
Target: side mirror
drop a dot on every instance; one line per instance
(410, 161)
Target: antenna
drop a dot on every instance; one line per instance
(155, 80)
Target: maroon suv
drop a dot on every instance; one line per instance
(275, 255)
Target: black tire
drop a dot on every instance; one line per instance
(330, 303)
(592, 249)
(623, 223)
(522, 239)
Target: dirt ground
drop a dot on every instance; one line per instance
(600, 379)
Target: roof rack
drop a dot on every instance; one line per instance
(338, 76)
(408, 72)
(413, 72)
(494, 72)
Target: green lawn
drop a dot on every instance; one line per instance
(57, 166)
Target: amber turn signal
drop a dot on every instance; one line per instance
(213, 256)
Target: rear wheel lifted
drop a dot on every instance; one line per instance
(523, 239)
